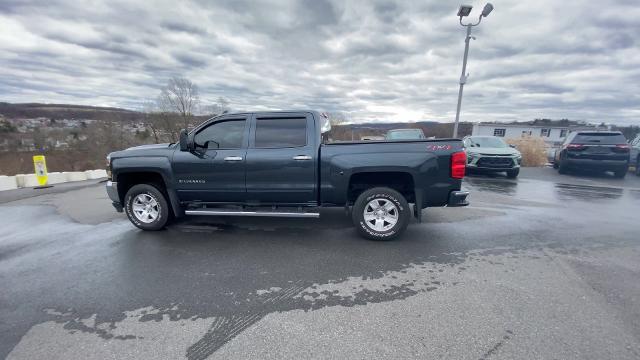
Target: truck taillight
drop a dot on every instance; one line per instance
(623, 148)
(458, 164)
(578, 147)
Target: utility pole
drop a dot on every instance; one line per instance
(463, 11)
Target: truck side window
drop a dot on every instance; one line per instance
(225, 134)
(281, 133)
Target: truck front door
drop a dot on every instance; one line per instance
(282, 159)
(215, 170)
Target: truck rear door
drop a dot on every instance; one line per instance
(281, 161)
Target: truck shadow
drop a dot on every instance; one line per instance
(331, 218)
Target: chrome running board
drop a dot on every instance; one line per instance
(225, 212)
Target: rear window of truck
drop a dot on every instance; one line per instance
(599, 138)
(281, 132)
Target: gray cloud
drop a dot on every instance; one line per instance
(374, 60)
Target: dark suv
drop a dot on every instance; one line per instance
(594, 150)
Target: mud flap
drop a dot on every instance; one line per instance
(417, 206)
(174, 202)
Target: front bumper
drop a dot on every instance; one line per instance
(112, 191)
(458, 198)
(493, 163)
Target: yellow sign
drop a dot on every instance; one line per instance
(41, 169)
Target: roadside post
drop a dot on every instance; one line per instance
(40, 166)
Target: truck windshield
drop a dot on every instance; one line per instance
(487, 142)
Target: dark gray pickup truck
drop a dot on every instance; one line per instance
(280, 164)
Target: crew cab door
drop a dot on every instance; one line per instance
(215, 170)
(282, 159)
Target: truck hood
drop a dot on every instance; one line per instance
(492, 151)
(149, 147)
(143, 150)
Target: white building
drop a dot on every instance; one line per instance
(552, 135)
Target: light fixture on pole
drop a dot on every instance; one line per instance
(464, 11)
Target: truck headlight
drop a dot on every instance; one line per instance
(518, 158)
(470, 158)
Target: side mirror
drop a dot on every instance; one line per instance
(512, 146)
(184, 140)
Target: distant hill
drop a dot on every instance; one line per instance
(66, 111)
(83, 112)
(429, 128)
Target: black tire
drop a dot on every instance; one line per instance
(621, 173)
(555, 164)
(512, 174)
(382, 193)
(162, 207)
(562, 168)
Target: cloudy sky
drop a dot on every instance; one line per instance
(374, 60)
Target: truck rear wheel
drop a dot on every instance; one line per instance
(381, 214)
(146, 207)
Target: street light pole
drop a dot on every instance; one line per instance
(463, 80)
(463, 12)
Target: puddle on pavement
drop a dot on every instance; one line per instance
(537, 190)
(585, 192)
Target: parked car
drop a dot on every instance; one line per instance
(635, 154)
(372, 138)
(404, 134)
(492, 154)
(594, 150)
(275, 164)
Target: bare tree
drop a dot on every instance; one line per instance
(337, 118)
(223, 104)
(219, 107)
(149, 119)
(180, 96)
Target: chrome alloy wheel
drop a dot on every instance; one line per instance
(145, 208)
(380, 214)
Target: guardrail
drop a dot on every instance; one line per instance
(30, 180)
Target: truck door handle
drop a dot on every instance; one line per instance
(233, 158)
(302, 157)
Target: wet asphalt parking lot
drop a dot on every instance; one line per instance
(543, 267)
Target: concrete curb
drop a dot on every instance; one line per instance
(30, 180)
(8, 182)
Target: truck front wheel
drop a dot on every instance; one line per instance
(381, 214)
(146, 207)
